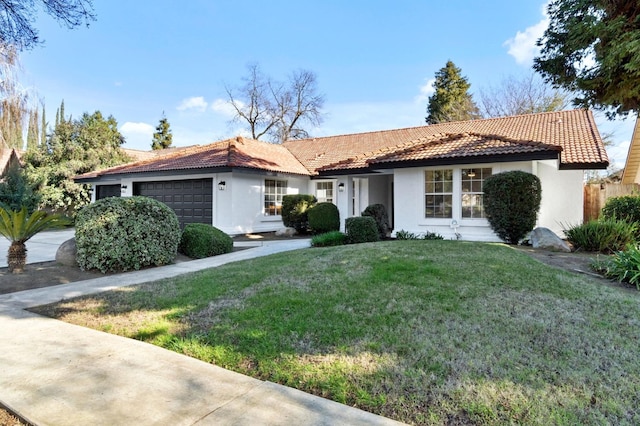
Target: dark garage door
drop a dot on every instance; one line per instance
(191, 199)
(104, 191)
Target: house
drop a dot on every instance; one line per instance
(631, 171)
(429, 177)
(8, 158)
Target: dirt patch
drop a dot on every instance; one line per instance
(45, 274)
(579, 262)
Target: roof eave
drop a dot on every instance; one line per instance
(475, 159)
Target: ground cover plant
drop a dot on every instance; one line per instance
(443, 333)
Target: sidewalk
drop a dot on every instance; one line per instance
(54, 373)
(41, 247)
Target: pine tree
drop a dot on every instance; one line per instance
(451, 100)
(162, 137)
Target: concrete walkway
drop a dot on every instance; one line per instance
(54, 373)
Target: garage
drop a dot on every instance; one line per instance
(191, 199)
(104, 191)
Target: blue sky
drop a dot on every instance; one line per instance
(374, 61)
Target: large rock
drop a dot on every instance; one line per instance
(544, 238)
(66, 254)
(286, 232)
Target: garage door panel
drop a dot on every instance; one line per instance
(191, 199)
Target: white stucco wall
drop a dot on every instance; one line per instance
(561, 201)
(238, 209)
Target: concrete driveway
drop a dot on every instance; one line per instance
(41, 248)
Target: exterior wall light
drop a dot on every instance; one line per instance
(222, 185)
(341, 187)
(123, 186)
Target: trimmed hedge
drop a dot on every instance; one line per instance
(201, 240)
(323, 218)
(295, 209)
(511, 203)
(361, 229)
(118, 234)
(379, 213)
(625, 208)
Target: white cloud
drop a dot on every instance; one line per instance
(523, 46)
(194, 103)
(137, 128)
(223, 108)
(137, 135)
(426, 90)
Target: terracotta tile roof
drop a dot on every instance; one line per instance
(575, 131)
(236, 152)
(571, 134)
(446, 146)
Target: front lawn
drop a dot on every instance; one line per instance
(425, 332)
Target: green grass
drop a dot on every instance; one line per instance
(423, 332)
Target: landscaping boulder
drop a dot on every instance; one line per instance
(545, 238)
(286, 232)
(66, 254)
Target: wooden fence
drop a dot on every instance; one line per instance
(597, 194)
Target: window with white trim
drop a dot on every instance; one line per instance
(273, 192)
(472, 192)
(324, 192)
(438, 193)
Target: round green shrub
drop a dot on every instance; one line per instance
(201, 240)
(118, 234)
(511, 204)
(294, 211)
(324, 217)
(379, 213)
(625, 208)
(361, 229)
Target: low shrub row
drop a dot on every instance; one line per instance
(406, 235)
(602, 235)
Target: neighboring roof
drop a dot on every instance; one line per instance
(7, 156)
(574, 131)
(231, 153)
(631, 171)
(140, 155)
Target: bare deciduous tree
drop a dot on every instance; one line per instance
(525, 95)
(278, 110)
(17, 18)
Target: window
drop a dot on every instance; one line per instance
(472, 192)
(324, 192)
(438, 193)
(273, 192)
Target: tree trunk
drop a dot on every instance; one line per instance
(17, 257)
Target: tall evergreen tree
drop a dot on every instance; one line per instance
(32, 130)
(451, 100)
(162, 138)
(74, 147)
(592, 49)
(43, 128)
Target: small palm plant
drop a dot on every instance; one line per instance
(19, 226)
